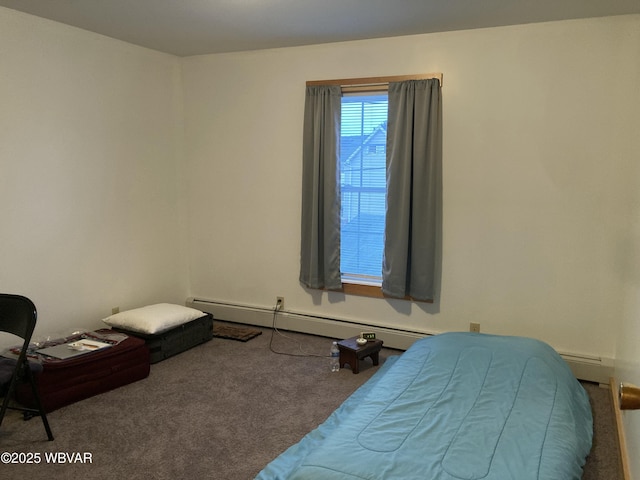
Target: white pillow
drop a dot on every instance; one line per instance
(153, 318)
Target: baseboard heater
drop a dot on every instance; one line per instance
(589, 368)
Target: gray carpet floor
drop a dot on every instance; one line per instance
(221, 410)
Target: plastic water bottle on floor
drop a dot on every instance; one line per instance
(335, 357)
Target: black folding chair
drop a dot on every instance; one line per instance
(18, 316)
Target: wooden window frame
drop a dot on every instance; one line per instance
(373, 291)
(372, 84)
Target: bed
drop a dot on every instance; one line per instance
(453, 406)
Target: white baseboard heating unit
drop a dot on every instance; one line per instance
(589, 368)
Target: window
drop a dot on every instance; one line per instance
(376, 149)
(363, 137)
(356, 209)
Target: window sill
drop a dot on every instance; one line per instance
(374, 291)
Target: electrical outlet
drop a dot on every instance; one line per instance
(115, 310)
(474, 327)
(279, 303)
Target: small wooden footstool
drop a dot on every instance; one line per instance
(352, 353)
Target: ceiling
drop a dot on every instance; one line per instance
(193, 27)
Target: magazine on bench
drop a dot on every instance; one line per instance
(73, 349)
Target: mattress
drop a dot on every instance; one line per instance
(454, 406)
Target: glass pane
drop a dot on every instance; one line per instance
(363, 183)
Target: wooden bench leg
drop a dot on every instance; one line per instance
(375, 358)
(356, 367)
(352, 359)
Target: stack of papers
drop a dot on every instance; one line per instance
(68, 350)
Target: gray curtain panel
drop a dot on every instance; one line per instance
(320, 249)
(413, 166)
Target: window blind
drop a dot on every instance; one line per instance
(363, 137)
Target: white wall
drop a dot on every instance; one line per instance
(90, 138)
(537, 160)
(541, 210)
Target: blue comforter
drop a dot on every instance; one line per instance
(453, 406)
